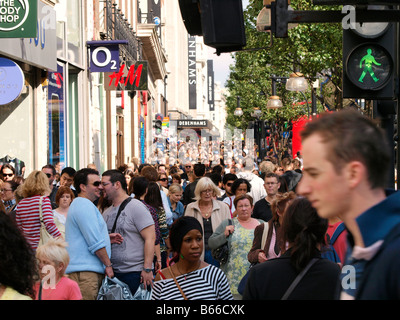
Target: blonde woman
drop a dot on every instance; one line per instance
(174, 200)
(209, 212)
(27, 217)
(53, 259)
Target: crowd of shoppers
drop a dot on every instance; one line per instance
(168, 226)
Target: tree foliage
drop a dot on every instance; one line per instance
(312, 49)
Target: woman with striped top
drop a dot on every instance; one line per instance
(190, 278)
(35, 187)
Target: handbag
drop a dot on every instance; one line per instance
(44, 234)
(298, 279)
(143, 293)
(114, 289)
(222, 253)
(177, 284)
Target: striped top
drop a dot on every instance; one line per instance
(28, 219)
(208, 283)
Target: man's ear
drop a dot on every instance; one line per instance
(83, 187)
(355, 173)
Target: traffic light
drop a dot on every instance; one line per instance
(369, 62)
(158, 126)
(221, 23)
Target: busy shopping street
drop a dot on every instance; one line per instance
(226, 151)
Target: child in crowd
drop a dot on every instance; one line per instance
(53, 259)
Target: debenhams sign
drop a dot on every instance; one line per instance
(192, 123)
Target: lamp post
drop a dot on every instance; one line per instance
(259, 132)
(165, 94)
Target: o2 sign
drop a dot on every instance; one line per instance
(104, 55)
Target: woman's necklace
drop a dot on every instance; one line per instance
(185, 274)
(206, 211)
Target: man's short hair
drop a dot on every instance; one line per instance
(81, 177)
(271, 175)
(229, 177)
(116, 175)
(351, 136)
(68, 170)
(50, 166)
(199, 169)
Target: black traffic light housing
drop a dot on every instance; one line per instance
(158, 126)
(370, 64)
(220, 22)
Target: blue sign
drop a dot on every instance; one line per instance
(104, 55)
(12, 81)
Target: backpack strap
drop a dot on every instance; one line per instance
(340, 228)
(121, 207)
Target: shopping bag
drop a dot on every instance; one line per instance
(114, 289)
(142, 293)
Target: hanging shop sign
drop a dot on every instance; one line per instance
(104, 55)
(18, 18)
(41, 49)
(130, 76)
(12, 81)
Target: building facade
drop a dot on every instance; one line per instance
(70, 114)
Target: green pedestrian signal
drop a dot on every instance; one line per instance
(368, 60)
(369, 66)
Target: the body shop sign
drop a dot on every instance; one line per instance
(18, 18)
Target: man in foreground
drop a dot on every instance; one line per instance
(346, 161)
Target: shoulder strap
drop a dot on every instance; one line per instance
(161, 275)
(264, 235)
(340, 228)
(41, 209)
(298, 279)
(121, 207)
(177, 284)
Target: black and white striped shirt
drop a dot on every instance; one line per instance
(208, 283)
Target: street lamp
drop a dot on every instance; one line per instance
(263, 23)
(274, 102)
(297, 82)
(257, 113)
(238, 111)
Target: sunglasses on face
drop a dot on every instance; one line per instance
(8, 174)
(96, 183)
(48, 175)
(163, 179)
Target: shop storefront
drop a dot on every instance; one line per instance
(23, 121)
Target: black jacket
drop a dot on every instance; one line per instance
(271, 279)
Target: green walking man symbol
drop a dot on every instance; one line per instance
(369, 60)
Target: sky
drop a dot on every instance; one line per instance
(223, 61)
